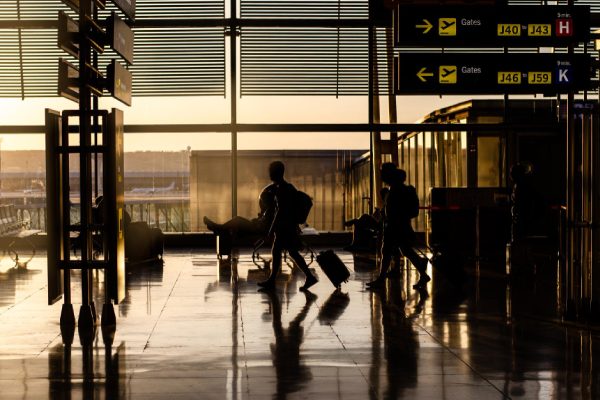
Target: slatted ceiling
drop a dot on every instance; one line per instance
(183, 61)
(40, 62)
(177, 61)
(307, 61)
(164, 9)
(33, 9)
(191, 62)
(10, 75)
(301, 61)
(316, 9)
(174, 61)
(8, 10)
(169, 9)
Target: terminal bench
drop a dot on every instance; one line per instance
(14, 233)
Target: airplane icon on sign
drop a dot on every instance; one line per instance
(447, 27)
(447, 24)
(448, 74)
(447, 71)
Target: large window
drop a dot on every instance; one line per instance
(490, 161)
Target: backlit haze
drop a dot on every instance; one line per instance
(214, 110)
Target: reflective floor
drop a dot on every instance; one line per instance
(194, 329)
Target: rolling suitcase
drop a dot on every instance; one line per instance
(333, 267)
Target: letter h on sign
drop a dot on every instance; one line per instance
(564, 27)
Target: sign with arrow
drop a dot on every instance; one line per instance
(423, 74)
(426, 26)
(469, 73)
(481, 26)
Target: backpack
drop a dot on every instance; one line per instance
(412, 202)
(302, 205)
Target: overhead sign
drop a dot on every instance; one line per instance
(68, 84)
(68, 30)
(118, 82)
(127, 7)
(74, 4)
(69, 81)
(68, 35)
(469, 73)
(480, 26)
(120, 37)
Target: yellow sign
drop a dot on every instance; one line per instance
(539, 30)
(448, 74)
(509, 29)
(447, 27)
(539, 78)
(423, 74)
(509, 78)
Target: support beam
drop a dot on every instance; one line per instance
(287, 128)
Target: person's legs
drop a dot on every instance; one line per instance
(275, 264)
(240, 225)
(211, 225)
(234, 226)
(389, 251)
(301, 263)
(419, 262)
(394, 270)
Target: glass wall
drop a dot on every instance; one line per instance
(490, 161)
(322, 174)
(433, 159)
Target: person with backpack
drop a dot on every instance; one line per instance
(400, 205)
(289, 211)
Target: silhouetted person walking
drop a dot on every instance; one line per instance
(285, 229)
(401, 205)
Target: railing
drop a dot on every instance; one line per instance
(169, 216)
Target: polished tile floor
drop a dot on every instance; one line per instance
(197, 329)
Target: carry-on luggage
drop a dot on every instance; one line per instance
(334, 268)
(143, 243)
(448, 264)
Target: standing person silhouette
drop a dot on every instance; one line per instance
(285, 229)
(398, 234)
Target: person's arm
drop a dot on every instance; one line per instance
(276, 217)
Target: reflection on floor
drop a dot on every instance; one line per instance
(195, 329)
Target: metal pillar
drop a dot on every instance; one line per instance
(374, 117)
(233, 66)
(87, 317)
(371, 38)
(392, 107)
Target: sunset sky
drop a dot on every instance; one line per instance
(205, 110)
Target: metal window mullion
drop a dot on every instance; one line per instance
(21, 51)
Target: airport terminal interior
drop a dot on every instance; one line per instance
(445, 160)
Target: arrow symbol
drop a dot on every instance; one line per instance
(426, 26)
(422, 74)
